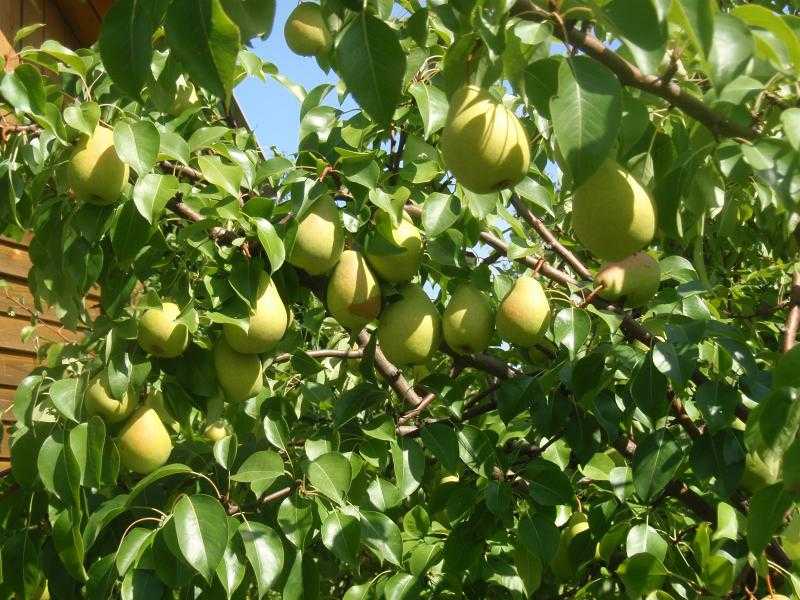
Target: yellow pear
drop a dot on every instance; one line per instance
(524, 314)
(216, 430)
(354, 296)
(95, 172)
(468, 321)
(408, 332)
(268, 322)
(612, 214)
(306, 32)
(776, 597)
(240, 375)
(483, 143)
(144, 443)
(99, 401)
(319, 241)
(562, 563)
(634, 279)
(160, 334)
(401, 267)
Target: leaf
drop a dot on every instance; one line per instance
(717, 401)
(206, 41)
(230, 571)
(643, 538)
(586, 115)
(571, 328)
(264, 467)
(439, 213)
(160, 473)
(539, 536)
(152, 193)
(476, 450)
(277, 432)
(331, 474)
(372, 64)
(66, 395)
(83, 117)
(432, 105)
(697, 19)
(643, 29)
(666, 360)
(442, 442)
(641, 574)
(296, 519)
(408, 461)
(271, 242)
(137, 144)
(649, 390)
(225, 177)
(87, 441)
(549, 485)
(23, 88)
(381, 535)
(125, 43)
(790, 119)
(202, 529)
(656, 461)
(132, 547)
(767, 508)
(341, 534)
(264, 551)
(759, 16)
(400, 586)
(731, 49)
(225, 451)
(383, 494)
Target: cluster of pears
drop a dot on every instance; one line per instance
(614, 217)
(95, 172)
(306, 31)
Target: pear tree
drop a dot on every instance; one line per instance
(518, 318)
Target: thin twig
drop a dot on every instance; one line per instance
(793, 318)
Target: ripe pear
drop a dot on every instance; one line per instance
(215, 431)
(398, 268)
(563, 564)
(635, 279)
(408, 332)
(319, 241)
(159, 332)
(240, 375)
(306, 32)
(95, 172)
(468, 321)
(612, 214)
(268, 322)
(354, 296)
(144, 443)
(524, 314)
(99, 401)
(483, 143)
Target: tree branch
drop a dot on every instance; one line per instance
(631, 76)
(325, 353)
(793, 318)
(393, 376)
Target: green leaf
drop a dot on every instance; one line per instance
(761, 17)
(87, 441)
(548, 484)
(102, 516)
(83, 117)
(137, 144)
(381, 535)
(24, 90)
(264, 552)
(649, 390)
(643, 538)
(132, 547)
(476, 450)
(264, 467)
(206, 41)
(432, 105)
(586, 115)
(442, 442)
(277, 432)
(225, 451)
(69, 545)
(790, 119)
(253, 17)
(331, 474)
(658, 458)
(717, 401)
(731, 49)
(225, 177)
(341, 534)
(400, 586)
(697, 19)
(125, 43)
(641, 574)
(642, 27)
(230, 571)
(271, 242)
(383, 494)
(372, 64)
(202, 529)
(439, 213)
(539, 536)
(160, 473)
(408, 461)
(296, 519)
(67, 395)
(571, 328)
(151, 194)
(767, 509)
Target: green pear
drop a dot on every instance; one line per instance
(563, 564)
(612, 214)
(468, 321)
(408, 332)
(634, 279)
(319, 241)
(144, 443)
(483, 143)
(524, 314)
(99, 401)
(306, 31)
(267, 323)
(95, 172)
(240, 375)
(216, 430)
(397, 268)
(160, 334)
(354, 296)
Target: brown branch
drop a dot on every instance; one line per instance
(279, 495)
(683, 418)
(630, 75)
(354, 354)
(189, 173)
(219, 234)
(415, 412)
(393, 376)
(793, 318)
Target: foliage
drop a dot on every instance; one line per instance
(641, 454)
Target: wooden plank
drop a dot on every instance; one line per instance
(17, 299)
(10, 13)
(102, 6)
(33, 11)
(14, 261)
(15, 367)
(82, 19)
(11, 331)
(57, 27)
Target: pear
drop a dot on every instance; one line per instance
(483, 143)
(215, 431)
(397, 268)
(159, 332)
(240, 375)
(144, 443)
(99, 401)
(353, 296)
(319, 241)
(268, 322)
(95, 172)
(776, 597)
(563, 564)
(306, 32)
(634, 279)
(612, 214)
(468, 321)
(524, 314)
(408, 332)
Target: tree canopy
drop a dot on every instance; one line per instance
(520, 325)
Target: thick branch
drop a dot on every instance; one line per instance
(793, 318)
(220, 234)
(631, 76)
(393, 376)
